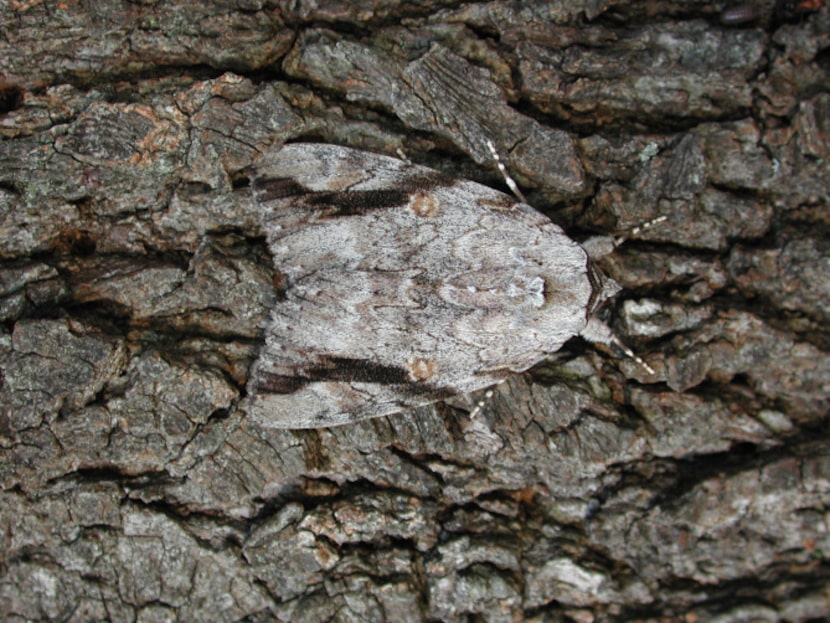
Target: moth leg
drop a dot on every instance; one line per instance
(511, 183)
(599, 246)
(487, 397)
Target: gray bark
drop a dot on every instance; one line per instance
(135, 283)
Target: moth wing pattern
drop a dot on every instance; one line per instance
(403, 286)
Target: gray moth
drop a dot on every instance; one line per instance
(404, 286)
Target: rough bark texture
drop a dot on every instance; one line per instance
(135, 283)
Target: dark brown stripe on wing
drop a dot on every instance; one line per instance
(356, 202)
(339, 369)
(348, 370)
(271, 188)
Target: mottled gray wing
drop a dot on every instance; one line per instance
(404, 286)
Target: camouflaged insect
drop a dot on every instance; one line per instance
(404, 286)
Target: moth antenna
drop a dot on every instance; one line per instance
(597, 332)
(511, 183)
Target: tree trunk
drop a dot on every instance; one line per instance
(136, 284)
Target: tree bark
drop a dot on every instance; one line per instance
(135, 284)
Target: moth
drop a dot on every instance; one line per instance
(404, 286)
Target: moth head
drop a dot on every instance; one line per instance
(595, 330)
(603, 288)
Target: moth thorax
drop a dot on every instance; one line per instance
(526, 287)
